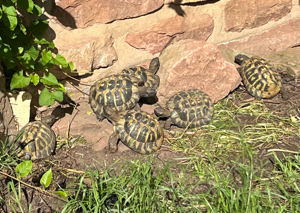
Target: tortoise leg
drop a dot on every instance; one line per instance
(284, 93)
(168, 124)
(112, 142)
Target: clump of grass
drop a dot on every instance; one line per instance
(259, 127)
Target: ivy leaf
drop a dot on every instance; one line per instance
(35, 79)
(46, 56)
(24, 168)
(61, 87)
(71, 66)
(19, 80)
(58, 95)
(46, 178)
(10, 15)
(26, 4)
(46, 98)
(34, 53)
(39, 28)
(37, 10)
(49, 79)
(60, 60)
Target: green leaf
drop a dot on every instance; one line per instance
(61, 193)
(58, 95)
(37, 10)
(61, 87)
(46, 178)
(34, 53)
(46, 56)
(10, 15)
(49, 79)
(26, 4)
(19, 80)
(24, 168)
(46, 98)
(35, 79)
(26, 61)
(0, 13)
(39, 28)
(71, 66)
(60, 60)
(20, 50)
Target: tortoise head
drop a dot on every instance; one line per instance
(161, 112)
(49, 120)
(111, 114)
(154, 65)
(240, 59)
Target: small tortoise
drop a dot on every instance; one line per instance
(260, 77)
(146, 75)
(187, 109)
(120, 92)
(37, 139)
(137, 129)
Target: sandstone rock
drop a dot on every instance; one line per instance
(7, 121)
(241, 14)
(89, 12)
(275, 39)
(20, 103)
(86, 49)
(287, 60)
(154, 39)
(195, 64)
(83, 122)
(183, 1)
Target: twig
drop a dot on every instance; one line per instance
(33, 187)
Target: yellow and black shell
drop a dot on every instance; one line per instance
(37, 141)
(139, 131)
(119, 92)
(146, 75)
(191, 108)
(259, 77)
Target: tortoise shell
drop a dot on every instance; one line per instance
(259, 76)
(146, 75)
(119, 92)
(139, 131)
(37, 141)
(191, 108)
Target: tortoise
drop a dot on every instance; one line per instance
(260, 77)
(36, 139)
(187, 109)
(120, 92)
(146, 75)
(137, 129)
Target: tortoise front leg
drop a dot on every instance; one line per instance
(112, 142)
(168, 124)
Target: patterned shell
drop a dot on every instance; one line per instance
(116, 91)
(260, 78)
(139, 131)
(191, 108)
(150, 79)
(37, 141)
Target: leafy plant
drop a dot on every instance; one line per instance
(46, 178)
(24, 50)
(24, 168)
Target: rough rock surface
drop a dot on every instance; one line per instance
(89, 12)
(7, 121)
(195, 64)
(183, 1)
(83, 122)
(275, 39)
(154, 39)
(87, 50)
(241, 14)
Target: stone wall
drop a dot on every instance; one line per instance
(103, 37)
